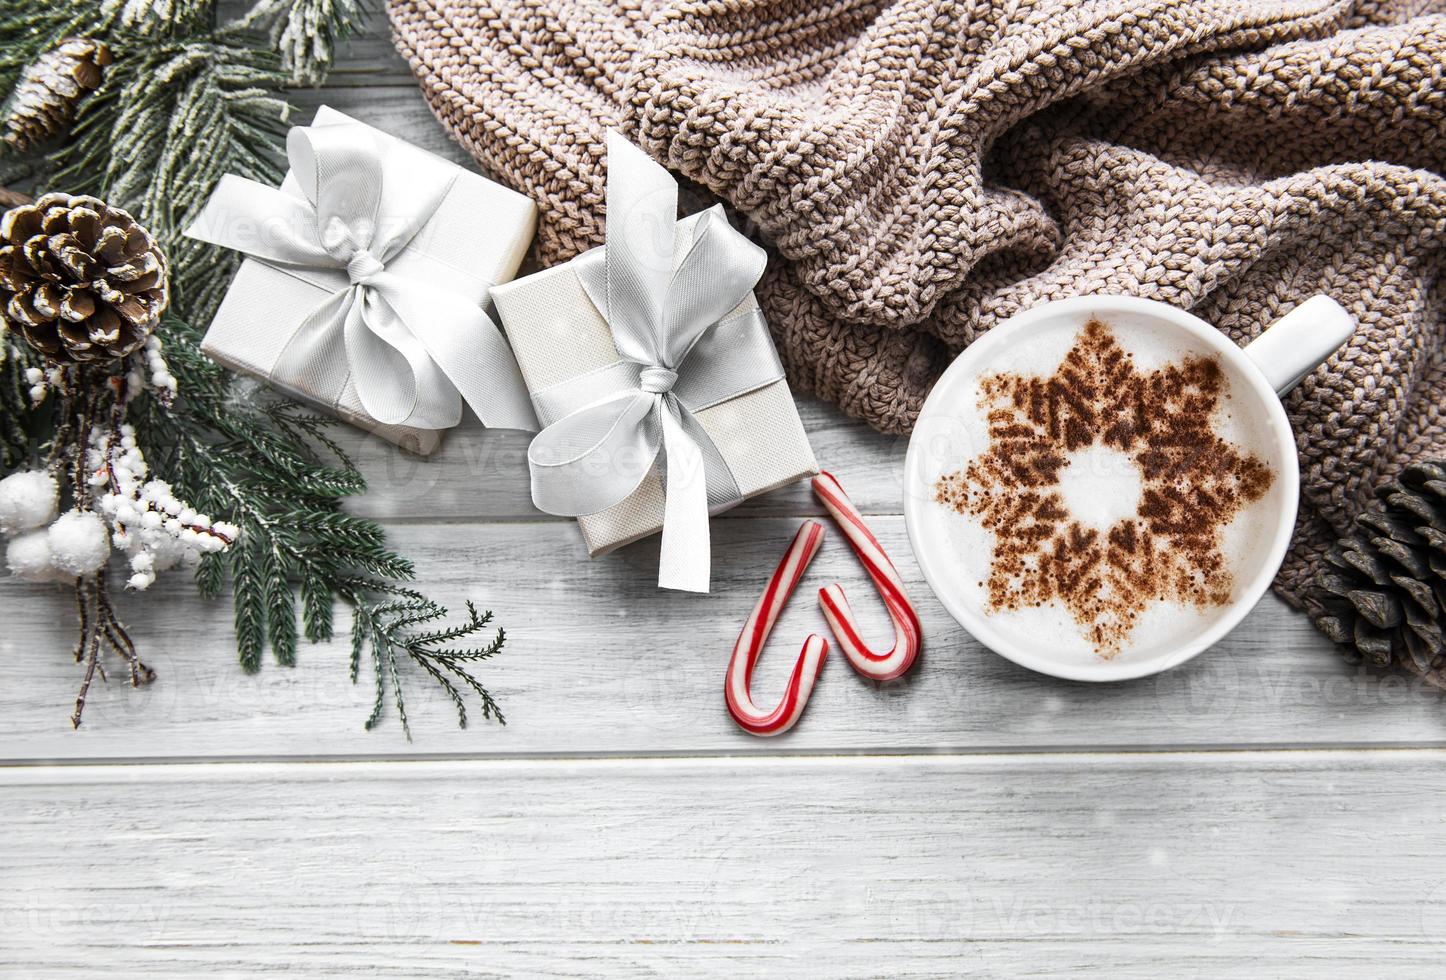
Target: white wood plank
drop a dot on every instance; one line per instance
(600, 661)
(1116, 866)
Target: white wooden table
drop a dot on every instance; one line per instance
(1264, 810)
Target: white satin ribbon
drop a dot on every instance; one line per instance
(414, 349)
(606, 429)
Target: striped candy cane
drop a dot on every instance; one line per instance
(755, 633)
(907, 634)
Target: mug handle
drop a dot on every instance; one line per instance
(1299, 342)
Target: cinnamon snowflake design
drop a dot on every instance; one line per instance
(1193, 483)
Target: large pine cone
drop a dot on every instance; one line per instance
(44, 100)
(1382, 595)
(80, 280)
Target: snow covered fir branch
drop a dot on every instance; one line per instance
(124, 450)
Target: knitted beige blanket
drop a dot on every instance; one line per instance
(926, 168)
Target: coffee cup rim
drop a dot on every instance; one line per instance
(975, 622)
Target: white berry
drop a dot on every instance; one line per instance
(79, 542)
(155, 530)
(27, 500)
(28, 557)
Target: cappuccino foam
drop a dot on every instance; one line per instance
(1114, 499)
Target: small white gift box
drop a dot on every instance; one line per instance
(569, 353)
(465, 236)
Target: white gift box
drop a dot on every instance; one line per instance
(476, 239)
(559, 335)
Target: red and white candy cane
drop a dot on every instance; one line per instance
(907, 635)
(755, 634)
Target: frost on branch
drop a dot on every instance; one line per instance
(148, 522)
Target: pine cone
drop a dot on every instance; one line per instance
(1382, 594)
(45, 98)
(80, 280)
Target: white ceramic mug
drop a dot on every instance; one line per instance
(1266, 369)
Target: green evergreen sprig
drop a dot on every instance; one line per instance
(306, 33)
(234, 448)
(387, 628)
(17, 422)
(184, 81)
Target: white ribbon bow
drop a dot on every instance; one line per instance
(414, 349)
(605, 430)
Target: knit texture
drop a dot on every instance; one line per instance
(926, 168)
